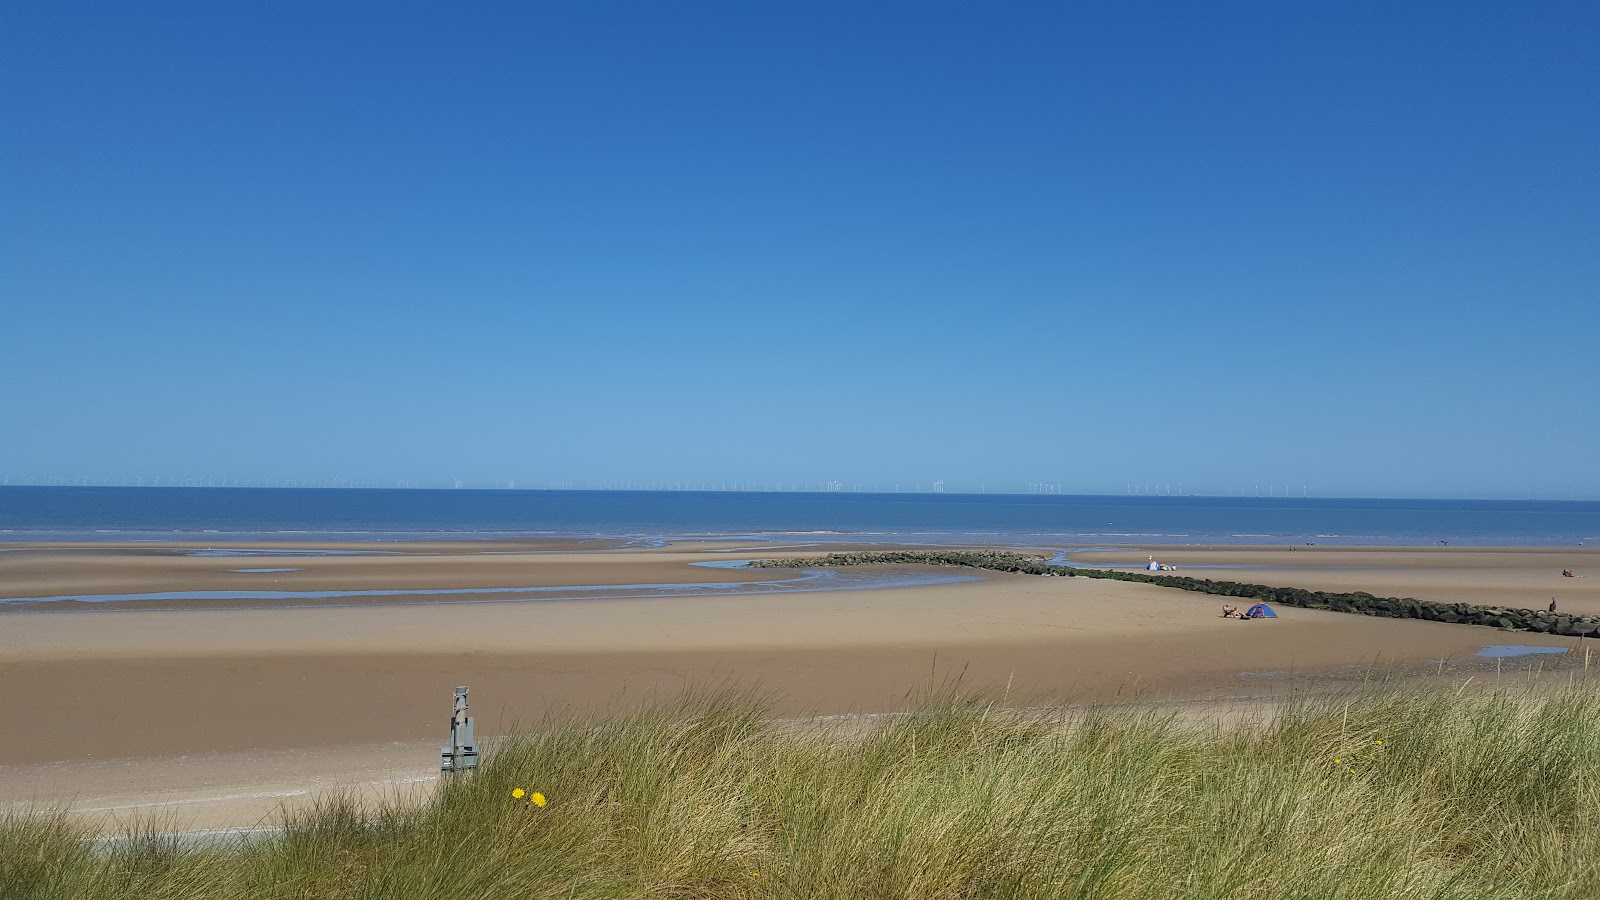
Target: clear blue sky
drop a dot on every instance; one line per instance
(1344, 245)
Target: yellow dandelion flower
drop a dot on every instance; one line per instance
(518, 793)
(755, 874)
(1379, 743)
(1338, 762)
(1352, 771)
(537, 799)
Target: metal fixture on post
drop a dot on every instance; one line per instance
(461, 753)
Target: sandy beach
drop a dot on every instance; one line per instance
(1524, 577)
(261, 706)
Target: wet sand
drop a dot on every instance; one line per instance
(93, 570)
(119, 701)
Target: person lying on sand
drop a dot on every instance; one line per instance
(1229, 611)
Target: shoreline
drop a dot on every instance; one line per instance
(467, 542)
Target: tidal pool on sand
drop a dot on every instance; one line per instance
(1504, 651)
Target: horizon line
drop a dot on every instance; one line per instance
(825, 493)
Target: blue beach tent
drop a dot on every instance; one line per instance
(1260, 611)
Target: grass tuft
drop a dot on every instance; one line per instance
(1386, 794)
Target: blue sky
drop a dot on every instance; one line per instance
(1354, 247)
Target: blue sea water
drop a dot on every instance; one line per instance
(238, 514)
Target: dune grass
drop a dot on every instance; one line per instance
(1413, 794)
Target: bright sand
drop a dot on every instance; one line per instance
(217, 716)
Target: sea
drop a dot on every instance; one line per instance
(220, 515)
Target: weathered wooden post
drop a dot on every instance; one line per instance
(462, 752)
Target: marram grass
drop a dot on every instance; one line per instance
(1411, 794)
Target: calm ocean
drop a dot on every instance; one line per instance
(224, 514)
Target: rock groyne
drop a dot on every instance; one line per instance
(1503, 617)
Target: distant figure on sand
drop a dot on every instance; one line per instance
(1552, 604)
(1229, 611)
(1566, 573)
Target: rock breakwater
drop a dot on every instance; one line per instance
(1506, 618)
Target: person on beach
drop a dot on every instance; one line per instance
(1552, 604)
(1229, 611)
